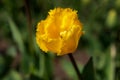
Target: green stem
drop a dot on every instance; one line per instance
(75, 66)
(29, 22)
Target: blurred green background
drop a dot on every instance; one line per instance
(21, 59)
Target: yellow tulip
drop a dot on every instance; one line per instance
(59, 32)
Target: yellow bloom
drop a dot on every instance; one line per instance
(59, 32)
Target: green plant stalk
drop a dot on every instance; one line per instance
(29, 21)
(75, 66)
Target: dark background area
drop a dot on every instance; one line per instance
(21, 59)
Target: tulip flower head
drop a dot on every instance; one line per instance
(59, 32)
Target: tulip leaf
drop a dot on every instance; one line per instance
(13, 75)
(88, 71)
(25, 62)
(16, 35)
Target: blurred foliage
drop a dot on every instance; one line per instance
(101, 40)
